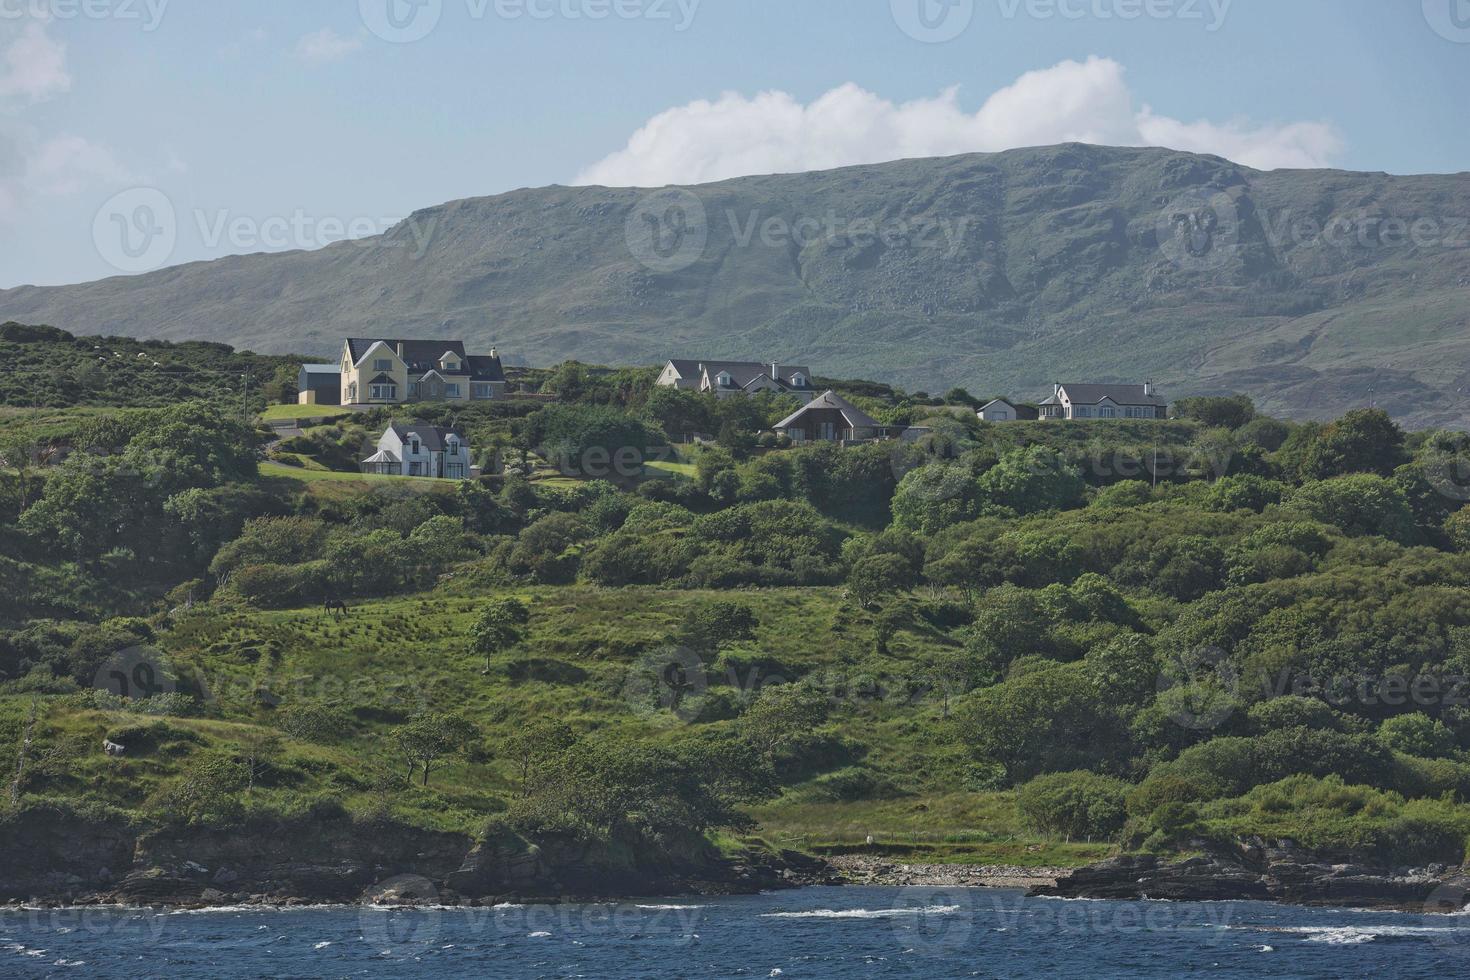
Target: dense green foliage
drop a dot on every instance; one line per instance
(1139, 633)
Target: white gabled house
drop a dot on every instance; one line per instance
(421, 450)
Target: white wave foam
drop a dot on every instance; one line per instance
(863, 913)
(1355, 935)
(669, 908)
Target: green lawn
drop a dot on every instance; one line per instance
(362, 481)
(278, 413)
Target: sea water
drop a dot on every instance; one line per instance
(845, 933)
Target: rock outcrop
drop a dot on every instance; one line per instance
(1262, 871)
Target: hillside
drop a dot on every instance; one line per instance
(1018, 269)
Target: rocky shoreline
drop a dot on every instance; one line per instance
(1275, 871)
(860, 869)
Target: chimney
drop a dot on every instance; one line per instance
(1056, 389)
(1148, 389)
(775, 371)
(400, 350)
(494, 352)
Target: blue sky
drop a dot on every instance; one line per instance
(289, 123)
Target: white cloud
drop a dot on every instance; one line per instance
(326, 46)
(1088, 102)
(32, 65)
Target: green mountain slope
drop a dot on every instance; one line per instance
(1315, 292)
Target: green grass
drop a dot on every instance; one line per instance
(277, 413)
(282, 471)
(391, 657)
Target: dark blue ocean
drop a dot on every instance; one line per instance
(846, 933)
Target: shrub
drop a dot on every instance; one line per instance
(1074, 804)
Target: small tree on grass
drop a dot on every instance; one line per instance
(257, 751)
(715, 624)
(533, 746)
(430, 738)
(500, 627)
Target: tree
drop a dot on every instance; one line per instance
(781, 714)
(876, 576)
(1074, 804)
(430, 738)
(1358, 505)
(956, 671)
(1228, 413)
(1418, 734)
(20, 454)
(1362, 441)
(532, 746)
(258, 750)
(716, 624)
(1033, 480)
(501, 626)
(1457, 526)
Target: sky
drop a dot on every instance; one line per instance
(136, 134)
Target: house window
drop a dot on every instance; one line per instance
(724, 380)
(351, 392)
(1107, 413)
(482, 392)
(1083, 412)
(451, 391)
(382, 364)
(415, 469)
(828, 432)
(383, 393)
(454, 471)
(798, 381)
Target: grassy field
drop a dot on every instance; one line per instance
(278, 413)
(388, 658)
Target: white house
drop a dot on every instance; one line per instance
(1003, 410)
(421, 450)
(1105, 402)
(730, 378)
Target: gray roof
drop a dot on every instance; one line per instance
(485, 368)
(322, 369)
(742, 372)
(1121, 394)
(420, 355)
(432, 436)
(856, 417)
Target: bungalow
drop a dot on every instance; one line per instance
(730, 378)
(421, 450)
(1003, 410)
(1105, 402)
(831, 418)
(392, 372)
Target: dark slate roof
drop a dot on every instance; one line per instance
(741, 372)
(421, 355)
(432, 436)
(485, 368)
(856, 417)
(1122, 394)
(382, 379)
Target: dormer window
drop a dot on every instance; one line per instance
(724, 380)
(798, 381)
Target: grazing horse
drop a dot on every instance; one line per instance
(334, 606)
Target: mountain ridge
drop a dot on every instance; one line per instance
(1313, 291)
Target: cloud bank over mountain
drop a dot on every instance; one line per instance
(1086, 102)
